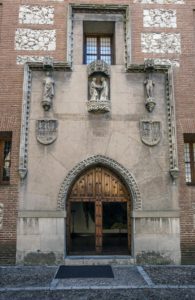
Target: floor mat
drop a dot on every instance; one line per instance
(84, 272)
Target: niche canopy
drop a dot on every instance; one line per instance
(98, 87)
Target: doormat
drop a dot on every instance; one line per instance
(84, 272)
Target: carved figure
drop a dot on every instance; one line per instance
(149, 83)
(94, 90)
(48, 93)
(104, 90)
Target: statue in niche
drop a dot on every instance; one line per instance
(99, 92)
(149, 84)
(48, 92)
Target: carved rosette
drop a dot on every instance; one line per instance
(46, 131)
(150, 132)
(98, 106)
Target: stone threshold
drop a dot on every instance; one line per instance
(100, 260)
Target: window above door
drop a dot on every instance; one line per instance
(98, 41)
(98, 48)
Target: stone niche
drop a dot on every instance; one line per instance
(98, 87)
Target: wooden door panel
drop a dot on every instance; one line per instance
(99, 185)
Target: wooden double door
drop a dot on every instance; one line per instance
(98, 215)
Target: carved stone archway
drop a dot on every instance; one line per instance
(111, 164)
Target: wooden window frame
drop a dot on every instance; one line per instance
(190, 139)
(98, 55)
(4, 137)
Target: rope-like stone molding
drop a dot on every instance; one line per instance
(93, 161)
(28, 68)
(170, 107)
(23, 160)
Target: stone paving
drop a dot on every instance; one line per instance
(129, 282)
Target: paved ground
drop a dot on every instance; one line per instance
(129, 282)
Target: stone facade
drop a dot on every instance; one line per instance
(36, 14)
(166, 201)
(159, 18)
(161, 43)
(29, 39)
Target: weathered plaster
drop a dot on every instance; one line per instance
(36, 14)
(29, 39)
(22, 59)
(161, 42)
(159, 18)
(165, 62)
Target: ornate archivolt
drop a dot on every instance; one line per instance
(111, 164)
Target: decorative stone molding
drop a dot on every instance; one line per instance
(27, 81)
(98, 106)
(28, 39)
(160, 1)
(93, 161)
(46, 131)
(98, 66)
(22, 59)
(170, 106)
(159, 18)
(23, 160)
(150, 132)
(38, 14)
(164, 61)
(170, 97)
(1, 215)
(161, 42)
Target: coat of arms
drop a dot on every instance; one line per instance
(46, 131)
(150, 132)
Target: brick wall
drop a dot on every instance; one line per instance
(11, 79)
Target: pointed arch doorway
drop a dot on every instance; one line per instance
(98, 215)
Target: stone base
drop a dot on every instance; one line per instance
(99, 260)
(98, 106)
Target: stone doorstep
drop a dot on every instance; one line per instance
(99, 260)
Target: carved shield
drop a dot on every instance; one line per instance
(150, 132)
(46, 131)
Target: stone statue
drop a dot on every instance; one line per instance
(150, 101)
(48, 92)
(98, 92)
(104, 90)
(149, 83)
(94, 90)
